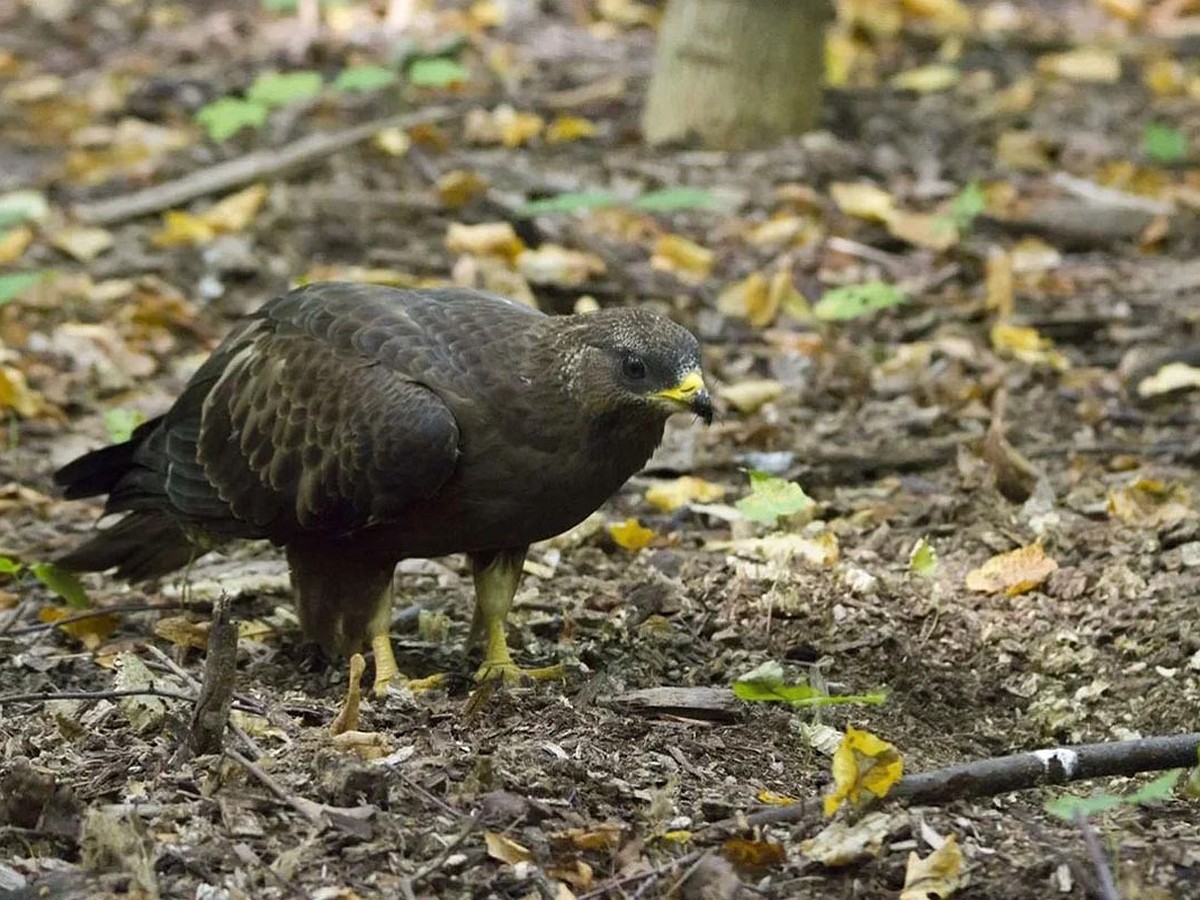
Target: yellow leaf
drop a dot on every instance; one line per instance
(753, 855)
(1026, 344)
(503, 125)
(81, 242)
(14, 243)
(678, 836)
(631, 534)
(1165, 77)
(949, 14)
(235, 212)
(553, 264)
(673, 253)
(935, 877)
(182, 632)
(1174, 376)
(748, 298)
(486, 239)
(1128, 10)
(90, 632)
(1025, 151)
(1150, 503)
(776, 231)
(927, 79)
(600, 838)
(392, 141)
(998, 279)
(570, 128)
(770, 798)
(458, 187)
(505, 849)
(863, 200)
(181, 228)
(862, 764)
(933, 232)
(1094, 64)
(750, 396)
(1014, 572)
(16, 395)
(668, 496)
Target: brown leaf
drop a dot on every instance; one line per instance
(505, 849)
(753, 855)
(1014, 572)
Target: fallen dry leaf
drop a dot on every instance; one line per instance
(631, 534)
(1174, 376)
(1094, 64)
(685, 258)
(486, 239)
(1014, 572)
(752, 395)
(570, 128)
(458, 187)
(16, 395)
(753, 855)
(818, 550)
(13, 244)
(81, 242)
(505, 849)
(669, 496)
(503, 125)
(90, 632)
(927, 79)
(1150, 503)
(863, 200)
(1028, 345)
(841, 844)
(556, 265)
(862, 764)
(935, 877)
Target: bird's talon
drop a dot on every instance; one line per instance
(510, 673)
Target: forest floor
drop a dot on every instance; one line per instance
(1025, 194)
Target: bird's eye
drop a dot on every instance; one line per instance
(633, 368)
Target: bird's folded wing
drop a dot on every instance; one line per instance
(298, 434)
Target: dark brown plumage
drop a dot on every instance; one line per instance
(359, 425)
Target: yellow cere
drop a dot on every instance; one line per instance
(689, 387)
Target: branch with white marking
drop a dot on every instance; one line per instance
(1060, 765)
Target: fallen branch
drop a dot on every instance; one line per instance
(1003, 774)
(1022, 771)
(243, 170)
(1104, 875)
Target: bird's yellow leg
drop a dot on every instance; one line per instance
(386, 670)
(496, 582)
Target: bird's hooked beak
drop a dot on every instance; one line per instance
(690, 394)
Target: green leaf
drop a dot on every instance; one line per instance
(766, 684)
(1164, 144)
(364, 78)
(672, 199)
(226, 116)
(967, 205)
(281, 88)
(9, 566)
(437, 71)
(923, 559)
(22, 206)
(1156, 791)
(120, 422)
(855, 300)
(14, 284)
(571, 202)
(772, 497)
(63, 583)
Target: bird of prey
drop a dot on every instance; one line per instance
(359, 425)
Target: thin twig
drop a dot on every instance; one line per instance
(436, 863)
(306, 808)
(92, 614)
(614, 884)
(1108, 887)
(243, 170)
(113, 695)
(6, 628)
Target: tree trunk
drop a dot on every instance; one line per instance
(737, 73)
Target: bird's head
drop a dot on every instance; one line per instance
(630, 358)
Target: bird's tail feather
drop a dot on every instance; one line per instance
(141, 546)
(100, 471)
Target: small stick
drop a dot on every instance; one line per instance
(92, 614)
(114, 695)
(211, 713)
(422, 873)
(1108, 887)
(245, 169)
(615, 884)
(306, 808)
